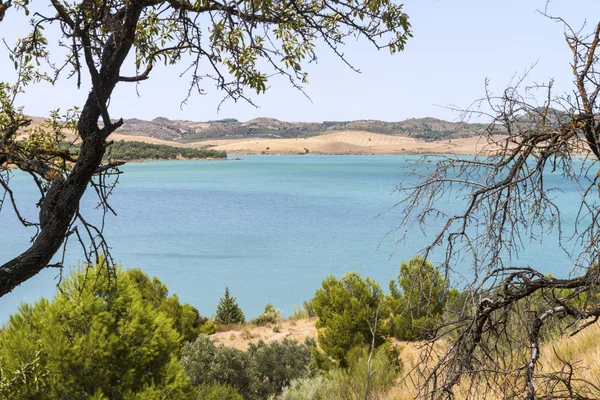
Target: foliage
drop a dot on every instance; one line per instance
(378, 375)
(185, 317)
(224, 120)
(269, 316)
(133, 151)
(417, 300)
(264, 370)
(350, 383)
(228, 310)
(216, 391)
(308, 388)
(208, 328)
(276, 364)
(99, 336)
(125, 151)
(206, 363)
(351, 313)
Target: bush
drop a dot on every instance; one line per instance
(347, 310)
(208, 328)
(216, 391)
(269, 316)
(309, 388)
(350, 383)
(275, 365)
(228, 310)
(100, 336)
(417, 301)
(261, 372)
(206, 363)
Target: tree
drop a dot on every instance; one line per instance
(275, 365)
(241, 44)
(207, 364)
(185, 317)
(494, 342)
(98, 337)
(259, 373)
(228, 311)
(351, 313)
(417, 300)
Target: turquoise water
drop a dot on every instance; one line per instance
(269, 227)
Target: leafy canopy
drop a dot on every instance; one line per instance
(417, 300)
(102, 335)
(259, 373)
(351, 313)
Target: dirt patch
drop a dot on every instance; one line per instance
(241, 336)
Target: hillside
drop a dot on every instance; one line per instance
(271, 136)
(428, 129)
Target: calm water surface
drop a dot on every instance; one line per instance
(269, 227)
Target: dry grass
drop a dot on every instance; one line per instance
(581, 351)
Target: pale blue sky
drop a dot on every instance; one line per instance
(456, 45)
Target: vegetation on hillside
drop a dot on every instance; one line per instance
(104, 335)
(134, 151)
(428, 129)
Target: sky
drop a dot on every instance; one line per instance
(457, 45)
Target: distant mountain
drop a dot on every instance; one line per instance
(429, 129)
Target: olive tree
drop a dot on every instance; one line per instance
(237, 45)
(494, 343)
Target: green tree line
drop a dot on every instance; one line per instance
(132, 151)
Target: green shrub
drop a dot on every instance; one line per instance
(309, 388)
(276, 364)
(347, 309)
(417, 300)
(100, 336)
(206, 363)
(228, 310)
(208, 328)
(263, 371)
(216, 391)
(351, 383)
(269, 316)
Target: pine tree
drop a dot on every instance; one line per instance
(100, 337)
(228, 310)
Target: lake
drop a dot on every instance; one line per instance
(269, 227)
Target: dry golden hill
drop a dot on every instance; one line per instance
(348, 142)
